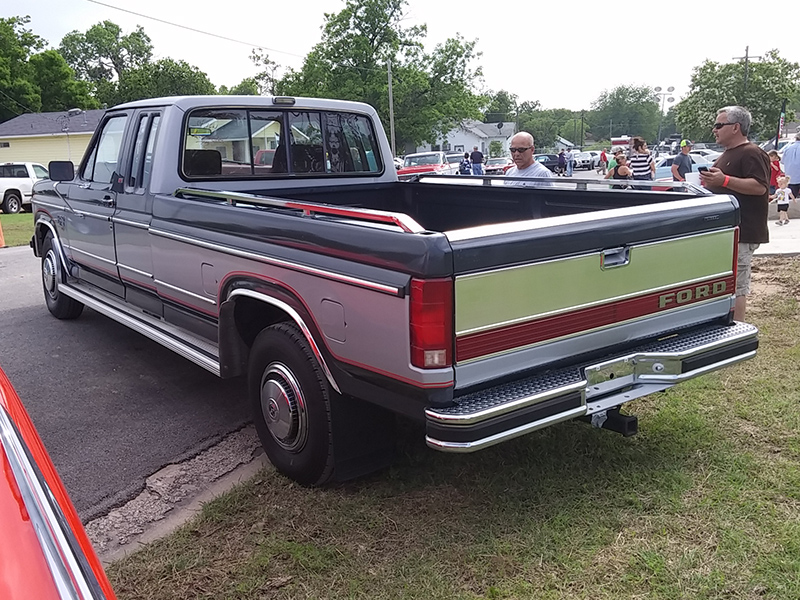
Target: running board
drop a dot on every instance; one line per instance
(198, 350)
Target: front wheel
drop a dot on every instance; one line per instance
(291, 405)
(59, 305)
(12, 203)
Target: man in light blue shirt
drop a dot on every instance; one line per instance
(524, 166)
(791, 165)
(570, 156)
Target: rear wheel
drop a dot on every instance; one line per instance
(12, 203)
(291, 404)
(59, 305)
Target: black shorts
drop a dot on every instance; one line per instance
(783, 207)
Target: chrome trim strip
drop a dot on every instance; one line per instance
(503, 409)
(59, 554)
(466, 447)
(403, 221)
(57, 243)
(48, 205)
(300, 323)
(178, 346)
(560, 311)
(137, 271)
(85, 213)
(183, 291)
(94, 256)
(458, 235)
(135, 224)
(379, 287)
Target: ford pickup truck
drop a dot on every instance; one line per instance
(345, 297)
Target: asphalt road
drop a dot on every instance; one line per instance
(111, 406)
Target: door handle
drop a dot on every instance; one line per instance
(615, 257)
(108, 201)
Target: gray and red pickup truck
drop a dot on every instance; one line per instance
(346, 297)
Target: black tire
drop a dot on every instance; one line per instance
(291, 404)
(59, 305)
(12, 203)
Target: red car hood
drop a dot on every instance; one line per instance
(36, 513)
(422, 169)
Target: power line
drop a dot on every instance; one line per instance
(222, 37)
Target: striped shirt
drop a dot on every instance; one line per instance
(640, 165)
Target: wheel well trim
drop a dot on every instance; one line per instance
(299, 321)
(43, 222)
(13, 191)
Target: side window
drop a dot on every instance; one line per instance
(5, 171)
(265, 137)
(147, 167)
(305, 143)
(362, 143)
(143, 152)
(217, 144)
(41, 172)
(102, 163)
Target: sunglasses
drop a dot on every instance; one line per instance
(520, 150)
(721, 125)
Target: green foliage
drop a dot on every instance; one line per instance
(502, 107)
(716, 85)
(166, 77)
(431, 91)
(544, 125)
(58, 88)
(266, 80)
(247, 87)
(18, 92)
(625, 110)
(103, 53)
(495, 148)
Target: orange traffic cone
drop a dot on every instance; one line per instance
(2, 239)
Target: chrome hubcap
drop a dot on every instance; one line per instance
(283, 407)
(49, 273)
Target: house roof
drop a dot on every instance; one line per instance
(51, 123)
(488, 130)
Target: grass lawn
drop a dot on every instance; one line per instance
(17, 229)
(703, 503)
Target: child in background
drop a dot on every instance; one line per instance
(465, 166)
(782, 196)
(775, 171)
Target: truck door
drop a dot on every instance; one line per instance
(133, 214)
(92, 197)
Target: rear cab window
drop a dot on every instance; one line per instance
(221, 143)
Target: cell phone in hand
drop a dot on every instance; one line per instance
(702, 169)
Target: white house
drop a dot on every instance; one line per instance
(474, 133)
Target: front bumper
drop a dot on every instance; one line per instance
(487, 417)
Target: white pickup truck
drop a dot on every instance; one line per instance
(16, 184)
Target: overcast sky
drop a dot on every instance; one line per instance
(563, 54)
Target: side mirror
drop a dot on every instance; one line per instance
(61, 170)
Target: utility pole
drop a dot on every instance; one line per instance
(583, 137)
(610, 121)
(391, 106)
(746, 58)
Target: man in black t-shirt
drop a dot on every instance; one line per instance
(743, 171)
(477, 161)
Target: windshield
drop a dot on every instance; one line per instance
(421, 159)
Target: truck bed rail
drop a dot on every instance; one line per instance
(404, 222)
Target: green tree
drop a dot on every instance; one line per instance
(495, 148)
(625, 110)
(18, 93)
(716, 85)
(247, 87)
(165, 77)
(502, 107)
(266, 79)
(58, 88)
(432, 92)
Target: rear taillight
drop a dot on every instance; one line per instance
(735, 252)
(431, 318)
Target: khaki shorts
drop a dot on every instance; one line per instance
(743, 268)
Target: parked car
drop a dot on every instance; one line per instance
(498, 166)
(584, 160)
(706, 153)
(595, 158)
(454, 159)
(427, 162)
(16, 183)
(548, 160)
(664, 164)
(264, 157)
(398, 163)
(44, 550)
